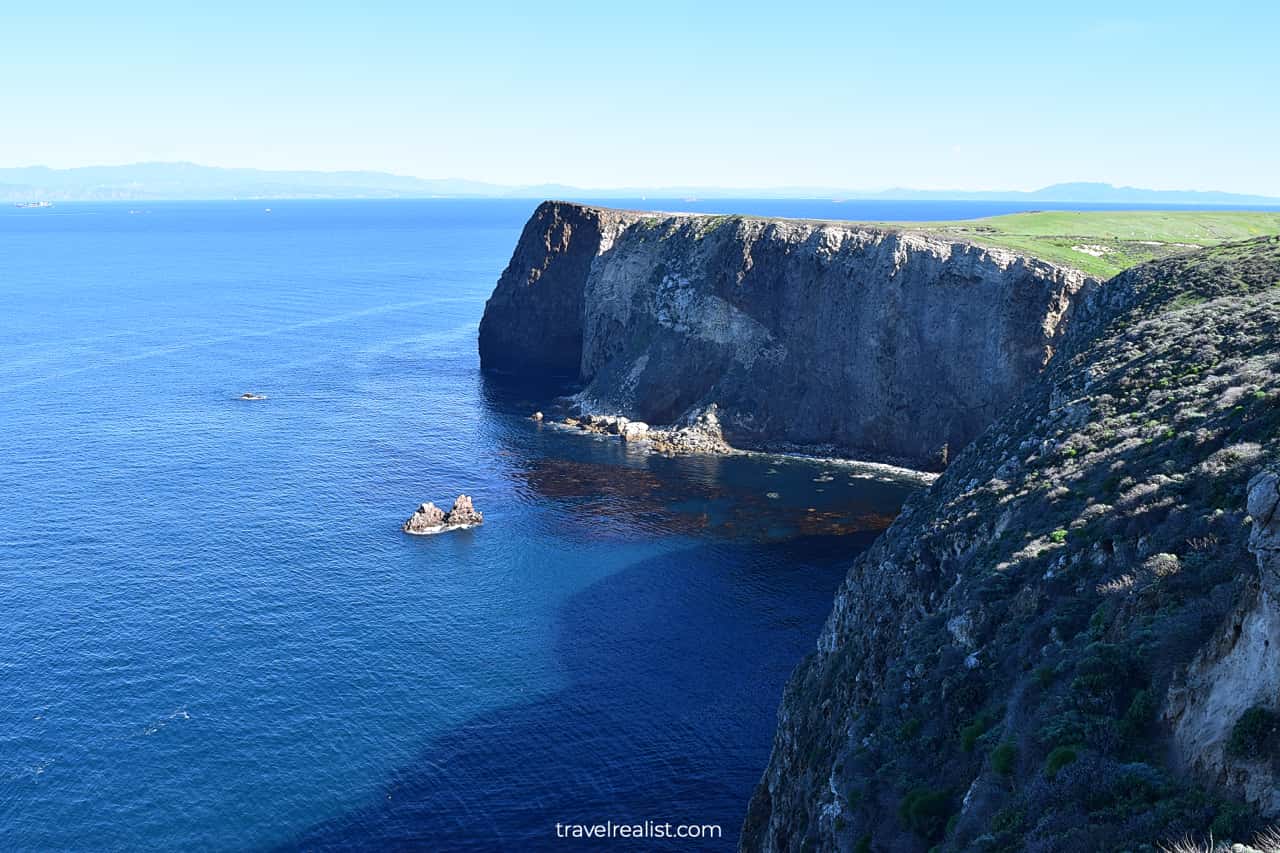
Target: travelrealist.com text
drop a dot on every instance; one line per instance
(645, 829)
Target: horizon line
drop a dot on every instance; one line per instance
(812, 190)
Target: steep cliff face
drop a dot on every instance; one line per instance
(1070, 641)
(1236, 676)
(533, 321)
(875, 343)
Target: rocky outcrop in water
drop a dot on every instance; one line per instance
(463, 513)
(1071, 640)
(862, 341)
(429, 518)
(698, 433)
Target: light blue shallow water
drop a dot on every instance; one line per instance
(214, 635)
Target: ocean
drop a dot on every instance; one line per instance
(215, 635)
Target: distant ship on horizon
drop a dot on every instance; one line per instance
(33, 204)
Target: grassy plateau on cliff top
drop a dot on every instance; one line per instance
(1104, 243)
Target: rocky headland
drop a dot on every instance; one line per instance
(866, 342)
(1069, 641)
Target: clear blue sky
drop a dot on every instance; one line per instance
(648, 92)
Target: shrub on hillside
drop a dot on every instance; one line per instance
(1254, 734)
(1003, 758)
(925, 812)
(1059, 758)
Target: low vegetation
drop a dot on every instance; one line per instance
(1104, 243)
(1255, 734)
(1025, 618)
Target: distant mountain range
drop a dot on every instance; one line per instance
(189, 181)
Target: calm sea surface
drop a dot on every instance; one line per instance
(213, 634)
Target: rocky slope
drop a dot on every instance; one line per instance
(874, 343)
(1071, 641)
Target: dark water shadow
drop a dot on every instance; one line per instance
(667, 714)
(508, 393)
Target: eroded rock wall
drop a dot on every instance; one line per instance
(1237, 671)
(864, 341)
(533, 321)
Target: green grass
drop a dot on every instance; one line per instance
(1120, 238)
(1101, 243)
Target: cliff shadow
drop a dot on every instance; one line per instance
(673, 671)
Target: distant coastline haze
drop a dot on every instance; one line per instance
(191, 181)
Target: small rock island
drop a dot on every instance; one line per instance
(429, 518)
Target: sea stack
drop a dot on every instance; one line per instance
(463, 514)
(429, 518)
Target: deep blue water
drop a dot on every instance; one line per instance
(214, 635)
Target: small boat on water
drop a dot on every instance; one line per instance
(33, 204)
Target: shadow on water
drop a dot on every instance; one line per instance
(667, 713)
(628, 489)
(667, 672)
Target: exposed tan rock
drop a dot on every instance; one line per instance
(701, 434)
(463, 514)
(428, 518)
(635, 431)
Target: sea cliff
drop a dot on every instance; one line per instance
(1066, 643)
(860, 341)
